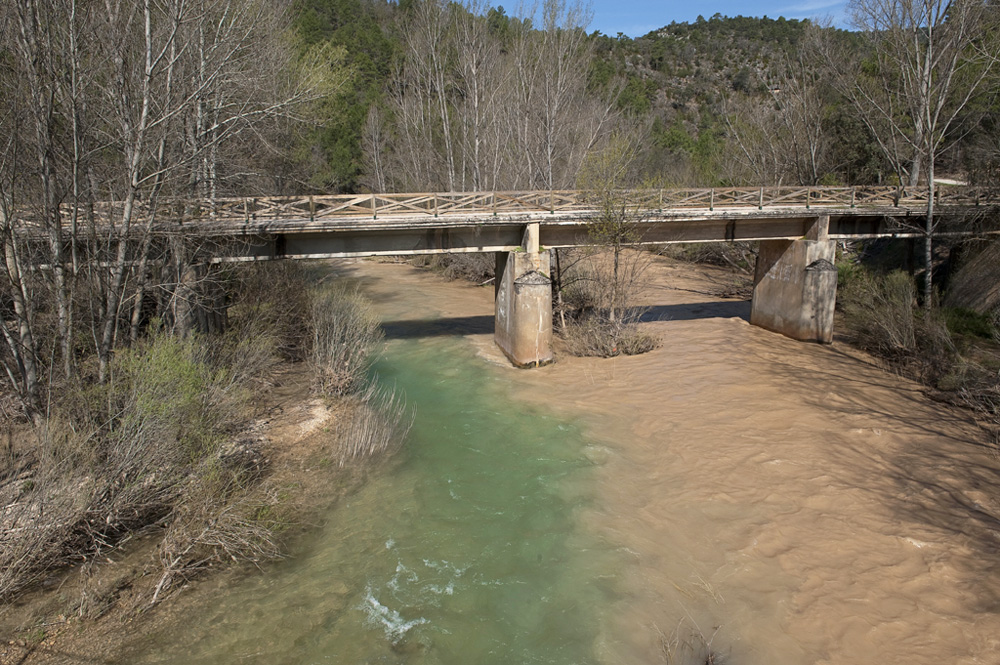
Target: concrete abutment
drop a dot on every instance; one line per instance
(795, 285)
(523, 304)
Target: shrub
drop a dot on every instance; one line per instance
(473, 267)
(596, 336)
(269, 299)
(740, 256)
(345, 334)
(595, 310)
(879, 312)
(967, 322)
(112, 458)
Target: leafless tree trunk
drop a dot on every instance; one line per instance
(932, 57)
(479, 110)
(100, 98)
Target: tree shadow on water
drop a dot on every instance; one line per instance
(938, 473)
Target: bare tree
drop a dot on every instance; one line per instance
(930, 58)
(779, 133)
(491, 102)
(109, 110)
(610, 279)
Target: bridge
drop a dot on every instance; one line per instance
(795, 278)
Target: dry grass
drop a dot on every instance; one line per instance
(345, 338)
(377, 425)
(688, 644)
(880, 312)
(164, 443)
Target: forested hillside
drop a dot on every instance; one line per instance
(468, 97)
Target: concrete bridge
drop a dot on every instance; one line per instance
(795, 280)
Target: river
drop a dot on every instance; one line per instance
(733, 495)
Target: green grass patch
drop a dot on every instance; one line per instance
(968, 323)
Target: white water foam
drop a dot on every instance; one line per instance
(394, 625)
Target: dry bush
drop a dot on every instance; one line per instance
(688, 645)
(39, 515)
(221, 518)
(113, 458)
(740, 256)
(377, 425)
(879, 311)
(595, 307)
(470, 266)
(593, 336)
(270, 299)
(345, 338)
(977, 387)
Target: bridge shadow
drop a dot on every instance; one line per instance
(483, 325)
(446, 327)
(718, 309)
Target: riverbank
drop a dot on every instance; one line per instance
(90, 613)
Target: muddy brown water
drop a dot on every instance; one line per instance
(789, 502)
(758, 500)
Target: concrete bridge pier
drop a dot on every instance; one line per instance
(523, 304)
(795, 285)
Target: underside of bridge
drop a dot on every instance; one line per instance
(794, 285)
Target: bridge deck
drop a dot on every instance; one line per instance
(420, 223)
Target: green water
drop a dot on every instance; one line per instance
(470, 549)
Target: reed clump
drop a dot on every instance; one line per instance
(345, 335)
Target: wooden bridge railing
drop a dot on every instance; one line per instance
(424, 205)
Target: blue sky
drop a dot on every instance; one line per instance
(637, 17)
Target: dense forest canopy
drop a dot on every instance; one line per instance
(722, 100)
